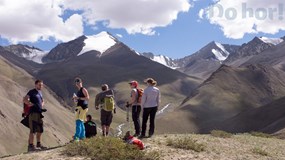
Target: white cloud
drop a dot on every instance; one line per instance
(136, 16)
(239, 17)
(32, 20)
(201, 13)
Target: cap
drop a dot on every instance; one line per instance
(134, 83)
(150, 81)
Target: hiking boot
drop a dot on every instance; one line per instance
(31, 148)
(40, 146)
(135, 135)
(142, 136)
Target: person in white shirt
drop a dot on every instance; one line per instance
(150, 103)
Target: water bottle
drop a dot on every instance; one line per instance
(74, 95)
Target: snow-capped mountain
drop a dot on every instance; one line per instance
(205, 61)
(221, 53)
(213, 51)
(169, 62)
(100, 42)
(202, 63)
(27, 52)
(250, 49)
(274, 41)
(97, 44)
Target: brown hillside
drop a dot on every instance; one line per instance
(228, 92)
(59, 123)
(269, 118)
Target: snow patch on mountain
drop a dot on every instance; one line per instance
(100, 42)
(160, 59)
(168, 62)
(274, 41)
(34, 55)
(218, 55)
(164, 60)
(221, 54)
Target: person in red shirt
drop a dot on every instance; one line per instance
(128, 138)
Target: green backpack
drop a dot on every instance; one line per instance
(109, 103)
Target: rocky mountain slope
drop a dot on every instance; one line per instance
(227, 93)
(15, 83)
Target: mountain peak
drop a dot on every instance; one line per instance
(256, 39)
(27, 52)
(164, 60)
(99, 42)
(274, 41)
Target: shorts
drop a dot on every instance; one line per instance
(106, 117)
(81, 113)
(36, 123)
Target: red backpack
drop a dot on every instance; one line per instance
(140, 93)
(27, 109)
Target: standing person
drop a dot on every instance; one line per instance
(81, 98)
(135, 102)
(90, 127)
(106, 101)
(150, 103)
(34, 99)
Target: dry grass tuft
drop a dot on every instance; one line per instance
(101, 148)
(186, 143)
(260, 134)
(221, 134)
(260, 151)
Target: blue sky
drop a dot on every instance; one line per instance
(175, 28)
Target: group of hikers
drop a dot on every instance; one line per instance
(147, 100)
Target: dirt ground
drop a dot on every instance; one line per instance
(238, 147)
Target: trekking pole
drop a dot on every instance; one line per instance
(128, 115)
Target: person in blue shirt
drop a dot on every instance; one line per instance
(34, 99)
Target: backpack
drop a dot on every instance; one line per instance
(27, 109)
(109, 103)
(140, 93)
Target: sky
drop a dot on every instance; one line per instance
(174, 28)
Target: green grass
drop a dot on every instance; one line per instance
(102, 148)
(186, 143)
(260, 134)
(221, 134)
